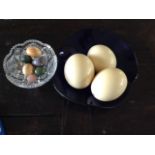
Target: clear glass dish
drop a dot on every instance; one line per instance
(13, 66)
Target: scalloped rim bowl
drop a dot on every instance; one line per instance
(12, 60)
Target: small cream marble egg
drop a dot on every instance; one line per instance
(102, 57)
(109, 84)
(79, 71)
(34, 52)
(27, 69)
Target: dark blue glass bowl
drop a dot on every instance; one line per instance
(2, 132)
(81, 42)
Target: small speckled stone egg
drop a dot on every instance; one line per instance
(109, 84)
(34, 52)
(26, 59)
(27, 69)
(40, 71)
(31, 78)
(41, 61)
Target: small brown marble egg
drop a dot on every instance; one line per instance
(27, 69)
(34, 52)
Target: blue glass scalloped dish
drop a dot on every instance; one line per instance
(82, 41)
(2, 132)
(12, 64)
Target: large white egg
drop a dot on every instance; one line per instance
(79, 71)
(102, 57)
(109, 84)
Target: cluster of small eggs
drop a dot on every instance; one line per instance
(98, 68)
(34, 64)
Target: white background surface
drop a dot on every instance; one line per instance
(77, 145)
(77, 9)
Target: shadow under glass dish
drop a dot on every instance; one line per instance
(13, 66)
(81, 42)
